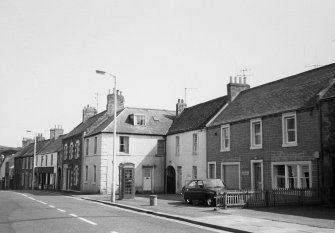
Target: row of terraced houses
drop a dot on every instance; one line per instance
(277, 135)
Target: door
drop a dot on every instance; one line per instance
(257, 175)
(147, 179)
(179, 178)
(170, 180)
(230, 175)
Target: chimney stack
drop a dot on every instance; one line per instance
(233, 89)
(88, 112)
(56, 132)
(180, 106)
(110, 102)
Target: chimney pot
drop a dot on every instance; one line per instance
(240, 80)
(231, 79)
(235, 79)
(244, 80)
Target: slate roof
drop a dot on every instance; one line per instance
(330, 92)
(29, 149)
(83, 126)
(196, 117)
(52, 146)
(157, 122)
(287, 94)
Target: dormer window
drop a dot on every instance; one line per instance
(139, 119)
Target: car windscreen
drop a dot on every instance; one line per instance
(214, 184)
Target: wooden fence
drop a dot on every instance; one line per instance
(266, 198)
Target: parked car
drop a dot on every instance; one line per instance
(203, 190)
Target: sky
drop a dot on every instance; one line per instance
(49, 51)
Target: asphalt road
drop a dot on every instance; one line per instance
(35, 211)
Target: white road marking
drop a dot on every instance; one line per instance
(164, 218)
(51, 206)
(113, 232)
(88, 221)
(61, 210)
(32, 198)
(79, 199)
(73, 215)
(41, 202)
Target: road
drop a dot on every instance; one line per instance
(36, 211)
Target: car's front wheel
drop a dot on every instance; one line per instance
(188, 200)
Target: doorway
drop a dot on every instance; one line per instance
(257, 174)
(170, 180)
(147, 179)
(59, 178)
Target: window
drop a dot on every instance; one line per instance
(289, 122)
(94, 173)
(256, 134)
(87, 145)
(65, 151)
(77, 150)
(42, 160)
(124, 144)
(31, 162)
(23, 163)
(291, 175)
(86, 173)
(71, 151)
(46, 160)
(177, 145)
(22, 179)
(225, 138)
(139, 119)
(95, 145)
(36, 163)
(195, 144)
(211, 170)
(51, 160)
(194, 172)
(76, 175)
(161, 147)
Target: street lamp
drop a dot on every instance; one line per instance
(33, 180)
(114, 133)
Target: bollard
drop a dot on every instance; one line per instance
(153, 200)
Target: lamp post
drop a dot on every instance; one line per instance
(34, 161)
(114, 133)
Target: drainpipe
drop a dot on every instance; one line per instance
(321, 154)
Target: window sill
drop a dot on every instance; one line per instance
(289, 144)
(256, 147)
(225, 150)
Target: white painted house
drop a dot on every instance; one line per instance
(186, 143)
(140, 141)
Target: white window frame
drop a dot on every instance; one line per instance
(210, 163)
(140, 115)
(125, 144)
(94, 173)
(95, 145)
(285, 131)
(223, 148)
(239, 171)
(177, 138)
(309, 163)
(86, 173)
(87, 146)
(195, 144)
(253, 135)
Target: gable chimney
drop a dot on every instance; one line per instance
(234, 88)
(180, 106)
(56, 132)
(111, 101)
(88, 112)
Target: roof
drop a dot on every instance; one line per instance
(330, 92)
(196, 117)
(288, 94)
(52, 146)
(29, 149)
(83, 126)
(157, 122)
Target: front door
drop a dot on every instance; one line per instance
(257, 177)
(170, 180)
(147, 179)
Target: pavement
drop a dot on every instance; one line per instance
(275, 219)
